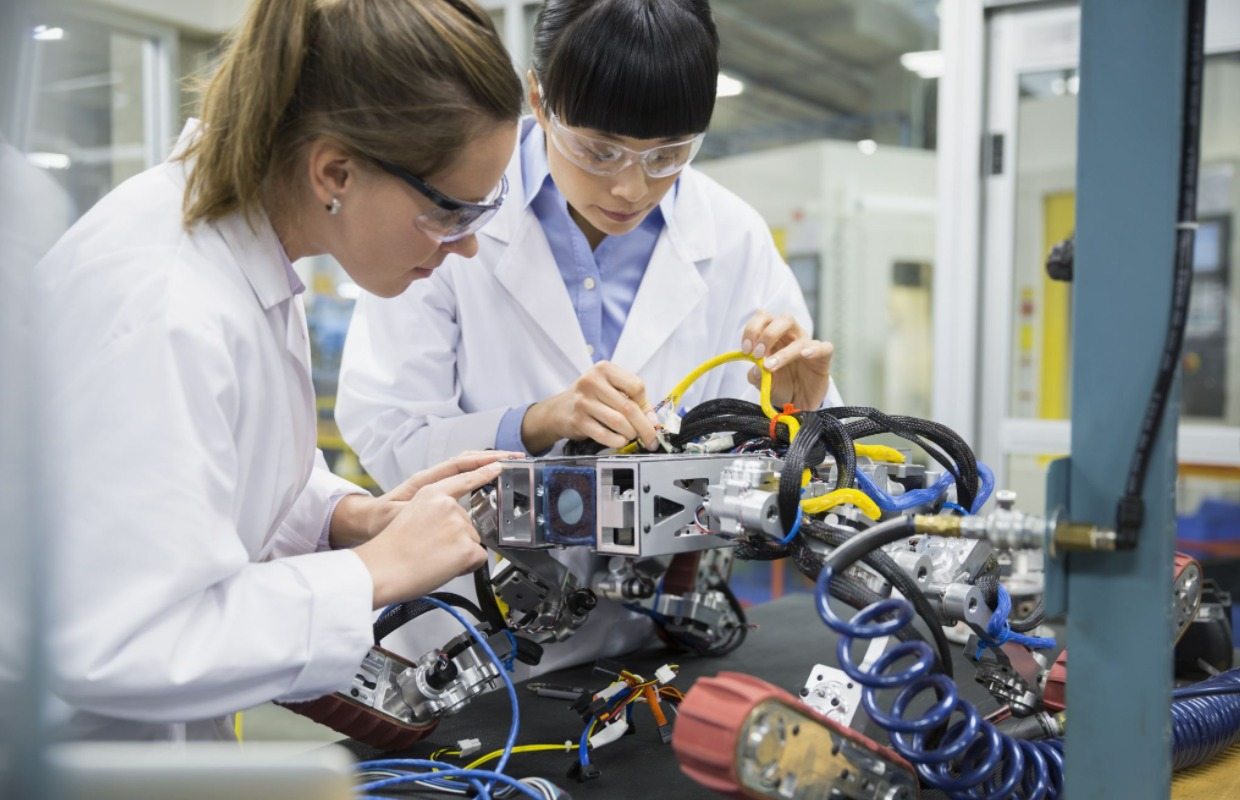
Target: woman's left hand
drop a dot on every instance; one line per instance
(358, 517)
(800, 366)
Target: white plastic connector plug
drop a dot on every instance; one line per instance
(665, 674)
(613, 690)
(468, 747)
(610, 734)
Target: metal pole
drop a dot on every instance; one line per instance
(1119, 629)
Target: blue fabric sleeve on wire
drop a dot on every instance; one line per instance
(1000, 632)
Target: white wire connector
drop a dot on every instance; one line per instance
(668, 419)
(468, 747)
(613, 690)
(609, 734)
(665, 674)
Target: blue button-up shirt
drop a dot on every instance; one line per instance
(602, 283)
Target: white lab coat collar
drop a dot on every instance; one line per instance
(671, 289)
(250, 238)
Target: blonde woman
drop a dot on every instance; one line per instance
(206, 560)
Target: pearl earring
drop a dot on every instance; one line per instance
(333, 207)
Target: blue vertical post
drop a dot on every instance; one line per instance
(1119, 630)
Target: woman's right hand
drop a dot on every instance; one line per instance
(430, 542)
(607, 404)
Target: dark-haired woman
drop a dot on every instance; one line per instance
(613, 270)
(205, 560)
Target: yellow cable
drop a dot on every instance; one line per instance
(678, 392)
(856, 497)
(566, 747)
(879, 452)
(239, 726)
(815, 505)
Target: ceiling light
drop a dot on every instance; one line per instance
(868, 147)
(927, 64)
(728, 86)
(46, 33)
(49, 160)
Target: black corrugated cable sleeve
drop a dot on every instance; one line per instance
(399, 615)
(1130, 510)
(491, 614)
(956, 456)
(796, 460)
(584, 447)
(963, 464)
(988, 581)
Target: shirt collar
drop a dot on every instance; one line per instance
(294, 282)
(535, 172)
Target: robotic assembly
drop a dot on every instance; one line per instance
(901, 544)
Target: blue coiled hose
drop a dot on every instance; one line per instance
(972, 760)
(1205, 719)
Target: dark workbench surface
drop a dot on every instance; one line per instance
(789, 640)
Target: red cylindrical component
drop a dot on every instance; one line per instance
(708, 722)
(712, 718)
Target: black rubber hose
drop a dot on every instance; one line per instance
(869, 540)
(891, 572)
(847, 590)
(1035, 618)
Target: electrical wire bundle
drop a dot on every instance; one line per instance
(430, 774)
(805, 439)
(613, 709)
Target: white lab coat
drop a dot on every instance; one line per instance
(190, 498)
(430, 373)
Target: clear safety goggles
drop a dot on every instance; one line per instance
(450, 220)
(601, 157)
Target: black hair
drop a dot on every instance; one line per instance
(640, 68)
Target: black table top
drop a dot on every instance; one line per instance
(788, 641)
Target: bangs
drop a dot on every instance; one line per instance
(645, 69)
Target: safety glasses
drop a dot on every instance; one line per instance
(601, 157)
(451, 220)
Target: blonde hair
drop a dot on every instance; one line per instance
(404, 81)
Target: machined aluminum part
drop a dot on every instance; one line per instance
(950, 560)
(538, 608)
(638, 506)
(475, 674)
(375, 685)
(626, 580)
(961, 602)
(746, 498)
(701, 610)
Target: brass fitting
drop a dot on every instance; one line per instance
(938, 524)
(1069, 536)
